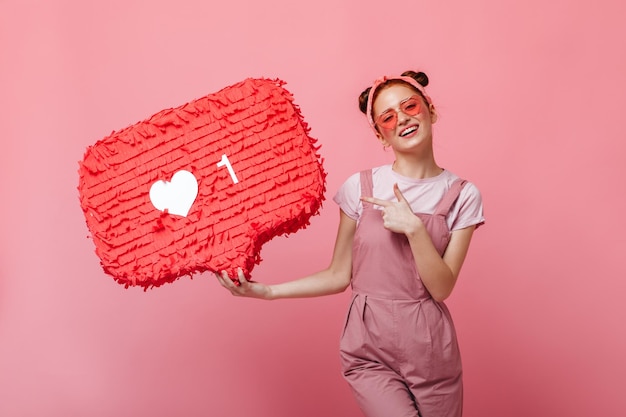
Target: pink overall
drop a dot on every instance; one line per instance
(399, 350)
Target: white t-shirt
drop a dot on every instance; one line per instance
(422, 194)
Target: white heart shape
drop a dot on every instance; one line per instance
(176, 196)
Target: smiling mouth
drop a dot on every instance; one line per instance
(408, 131)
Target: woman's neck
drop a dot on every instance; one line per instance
(416, 168)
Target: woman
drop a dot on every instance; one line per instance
(404, 232)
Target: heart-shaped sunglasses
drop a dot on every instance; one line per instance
(389, 118)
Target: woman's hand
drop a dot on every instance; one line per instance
(438, 274)
(397, 215)
(245, 288)
(332, 280)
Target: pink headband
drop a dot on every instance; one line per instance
(378, 82)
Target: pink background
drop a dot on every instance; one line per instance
(531, 98)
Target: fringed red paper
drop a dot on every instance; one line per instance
(258, 172)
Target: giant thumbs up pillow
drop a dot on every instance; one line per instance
(201, 187)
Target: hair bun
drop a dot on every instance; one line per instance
(420, 77)
(363, 100)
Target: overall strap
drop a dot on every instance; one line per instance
(367, 187)
(450, 197)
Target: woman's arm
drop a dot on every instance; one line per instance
(331, 280)
(438, 274)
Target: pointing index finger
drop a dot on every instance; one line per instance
(376, 201)
(398, 193)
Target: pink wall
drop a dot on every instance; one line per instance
(531, 97)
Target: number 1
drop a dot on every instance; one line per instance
(225, 162)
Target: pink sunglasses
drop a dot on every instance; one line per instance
(389, 118)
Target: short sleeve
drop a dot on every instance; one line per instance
(348, 197)
(468, 208)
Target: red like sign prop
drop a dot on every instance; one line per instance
(201, 187)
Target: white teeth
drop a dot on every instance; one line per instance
(408, 131)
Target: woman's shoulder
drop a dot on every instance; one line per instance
(349, 193)
(377, 170)
(469, 195)
(450, 177)
(355, 178)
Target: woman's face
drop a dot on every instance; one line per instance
(409, 131)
